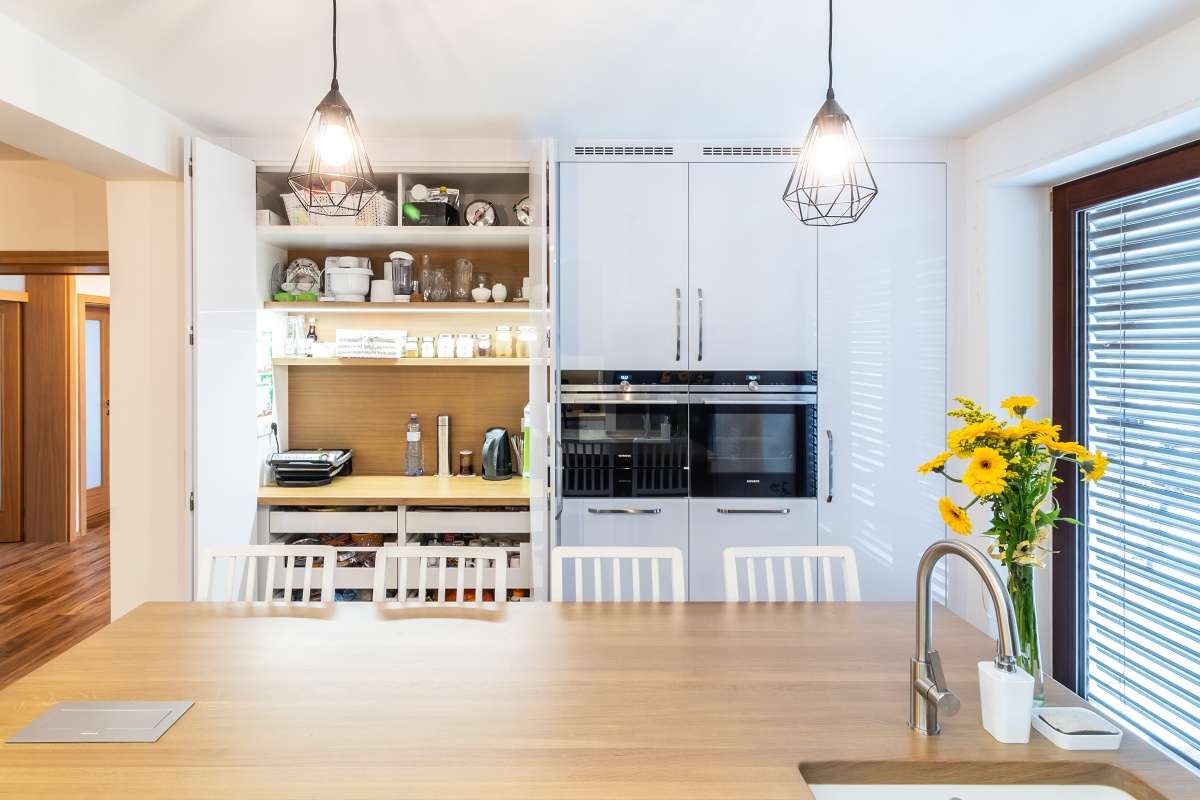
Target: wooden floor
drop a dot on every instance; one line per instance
(52, 596)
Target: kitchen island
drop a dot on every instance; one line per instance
(533, 700)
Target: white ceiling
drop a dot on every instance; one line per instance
(598, 68)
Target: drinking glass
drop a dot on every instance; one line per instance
(463, 269)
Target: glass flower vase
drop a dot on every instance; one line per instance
(1029, 657)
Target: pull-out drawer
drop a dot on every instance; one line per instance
(335, 521)
(418, 520)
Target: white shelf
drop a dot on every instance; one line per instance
(390, 237)
(411, 363)
(399, 308)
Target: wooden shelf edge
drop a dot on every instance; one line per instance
(401, 362)
(14, 297)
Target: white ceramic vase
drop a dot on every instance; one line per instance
(499, 293)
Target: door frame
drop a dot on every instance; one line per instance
(92, 502)
(12, 421)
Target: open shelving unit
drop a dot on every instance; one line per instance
(394, 237)
(398, 308)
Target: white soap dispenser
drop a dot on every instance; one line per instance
(1007, 701)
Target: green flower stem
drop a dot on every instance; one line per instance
(1029, 658)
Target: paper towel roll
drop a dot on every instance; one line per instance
(381, 292)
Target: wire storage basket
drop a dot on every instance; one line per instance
(379, 211)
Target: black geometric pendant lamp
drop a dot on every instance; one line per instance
(331, 174)
(831, 183)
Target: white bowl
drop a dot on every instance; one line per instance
(353, 281)
(481, 294)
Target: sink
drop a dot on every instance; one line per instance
(945, 791)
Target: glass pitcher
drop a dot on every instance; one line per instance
(463, 271)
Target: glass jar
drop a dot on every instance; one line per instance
(503, 347)
(463, 271)
(426, 278)
(445, 345)
(464, 347)
(427, 349)
(412, 348)
(483, 345)
(440, 291)
(466, 469)
(526, 341)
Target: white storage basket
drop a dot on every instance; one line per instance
(380, 211)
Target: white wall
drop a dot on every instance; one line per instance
(1142, 103)
(12, 283)
(48, 206)
(148, 492)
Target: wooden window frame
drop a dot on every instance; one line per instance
(1069, 199)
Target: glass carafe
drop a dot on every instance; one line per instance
(461, 288)
(440, 286)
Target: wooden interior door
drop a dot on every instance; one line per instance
(94, 407)
(11, 464)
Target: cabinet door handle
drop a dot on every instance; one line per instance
(754, 511)
(558, 512)
(700, 312)
(624, 510)
(829, 488)
(678, 324)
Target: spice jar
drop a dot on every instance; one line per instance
(483, 345)
(427, 350)
(445, 345)
(412, 348)
(464, 347)
(526, 341)
(465, 468)
(503, 347)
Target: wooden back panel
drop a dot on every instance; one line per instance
(367, 408)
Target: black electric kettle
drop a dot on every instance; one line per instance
(497, 459)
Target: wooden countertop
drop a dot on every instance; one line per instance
(393, 490)
(532, 700)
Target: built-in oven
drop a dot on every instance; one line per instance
(753, 434)
(624, 434)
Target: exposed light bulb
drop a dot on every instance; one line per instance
(335, 146)
(830, 155)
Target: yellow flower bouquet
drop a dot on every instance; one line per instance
(1011, 468)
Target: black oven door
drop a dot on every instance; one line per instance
(753, 445)
(624, 445)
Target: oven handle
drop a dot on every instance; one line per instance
(653, 400)
(700, 314)
(678, 323)
(754, 511)
(624, 510)
(829, 488)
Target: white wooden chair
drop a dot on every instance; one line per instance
(412, 569)
(823, 556)
(635, 555)
(246, 587)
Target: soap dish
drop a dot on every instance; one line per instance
(1074, 728)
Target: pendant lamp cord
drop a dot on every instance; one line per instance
(334, 85)
(828, 91)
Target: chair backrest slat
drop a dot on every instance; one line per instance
(494, 559)
(636, 557)
(246, 590)
(816, 564)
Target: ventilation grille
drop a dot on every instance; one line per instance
(637, 150)
(751, 151)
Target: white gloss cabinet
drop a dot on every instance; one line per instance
(623, 265)
(717, 524)
(882, 377)
(752, 271)
(622, 522)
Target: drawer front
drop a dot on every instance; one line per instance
(623, 523)
(416, 521)
(334, 521)
(718, 524)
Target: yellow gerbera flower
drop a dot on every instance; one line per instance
(1068, 448)
(956, 440)
(1018, 404)
(1093, 467)
(955, 517)
(982, 486)
(1043, 428)
(936, 465)
(1012, 432)
(985, 476)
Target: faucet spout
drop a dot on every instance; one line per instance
(929, 691)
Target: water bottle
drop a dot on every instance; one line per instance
(412, 452)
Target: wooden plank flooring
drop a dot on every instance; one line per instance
(52, 596)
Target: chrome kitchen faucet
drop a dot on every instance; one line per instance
(929, 692)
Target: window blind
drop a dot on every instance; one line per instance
(1141, 267)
